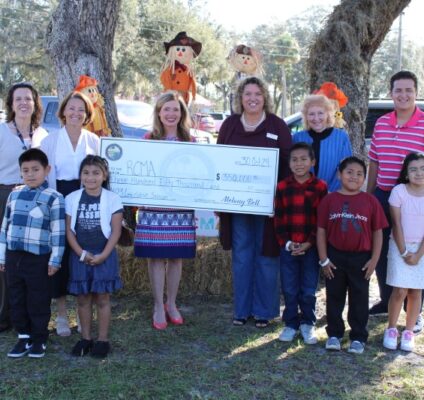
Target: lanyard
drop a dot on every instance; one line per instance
(24, 146)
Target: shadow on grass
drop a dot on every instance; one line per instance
(208, 358)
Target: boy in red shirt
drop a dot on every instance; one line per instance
(349, 240)
(296, 205)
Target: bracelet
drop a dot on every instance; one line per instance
(325, 262)
(83, 254)
(404, 254)
(288, 245)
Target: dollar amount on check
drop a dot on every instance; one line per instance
(192, 176)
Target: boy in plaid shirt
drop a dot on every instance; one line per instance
(296, 204)
(32, 241)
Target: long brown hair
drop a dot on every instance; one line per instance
(38, 108)
(184, 124)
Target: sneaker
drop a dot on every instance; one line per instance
(418, 325)
(356, 347)
(308, 334)
(390, 338)
(82, 348)
(378, 309)
(407, 341)
(333, 343)
(38, 350)
(21, 348)
(287, 334)
(100, 349)
(62, 326)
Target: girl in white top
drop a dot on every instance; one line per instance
(93, 226)
(65, 150)
(405, 268)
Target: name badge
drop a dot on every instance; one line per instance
(272, 136)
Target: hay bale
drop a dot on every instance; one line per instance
(208, 274)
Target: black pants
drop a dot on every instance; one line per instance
(381, 269)
(29, 293)
(348, 278)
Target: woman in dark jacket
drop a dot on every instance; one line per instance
(255, 251)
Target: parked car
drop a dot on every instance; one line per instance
(204, 122)
(376, 108)
(135, 119)
(219, 118)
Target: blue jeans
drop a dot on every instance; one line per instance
(299, 281)
(255, 277)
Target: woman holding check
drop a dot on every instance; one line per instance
(255, 250)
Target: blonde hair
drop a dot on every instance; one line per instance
(252, 80)
(184, 124)
(171, 57)
(318, 100)
(89, 109)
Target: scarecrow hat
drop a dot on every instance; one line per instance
(331, 90)
(183, 40)
(242, 49)
(85, 81)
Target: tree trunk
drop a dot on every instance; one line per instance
(343, 51)
(79, 41)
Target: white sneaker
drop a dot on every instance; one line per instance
(62, 326)
(390, 338)
(333, 343)
(418, 325)
(287, 334)
(308, 334)
(407, 341)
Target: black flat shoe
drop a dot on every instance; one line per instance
(239, 321)
(261, 323)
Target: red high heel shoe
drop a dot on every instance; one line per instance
(160, 326)
(174, 321)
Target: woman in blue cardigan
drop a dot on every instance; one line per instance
(330, 144)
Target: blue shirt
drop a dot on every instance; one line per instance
(34, 221)
(333, 149)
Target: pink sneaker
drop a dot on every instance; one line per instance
(390, 338)
(407, 341)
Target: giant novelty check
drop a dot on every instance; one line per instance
(235, 179)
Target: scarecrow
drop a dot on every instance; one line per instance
(177, 72)
(88, 86)
(245, 60)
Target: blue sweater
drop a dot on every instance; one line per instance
(333, 149)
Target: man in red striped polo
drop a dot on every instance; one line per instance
(396, 134)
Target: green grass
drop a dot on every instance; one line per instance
(208, 358)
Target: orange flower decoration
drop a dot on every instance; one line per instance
(331, 90)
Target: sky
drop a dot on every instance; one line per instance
(242, 15)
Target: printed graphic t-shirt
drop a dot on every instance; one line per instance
(351, 220)
(88, 230)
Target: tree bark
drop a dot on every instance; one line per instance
(342, 53)
(79, 41)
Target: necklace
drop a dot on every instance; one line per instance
(20, 136)
(252, 127)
